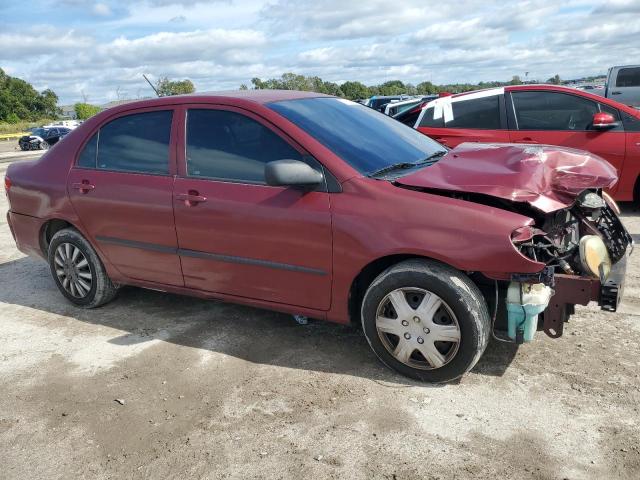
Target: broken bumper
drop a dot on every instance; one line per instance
(571, 290)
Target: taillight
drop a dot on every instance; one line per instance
(7, 184)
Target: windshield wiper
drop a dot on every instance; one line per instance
(404, 165)
(432, 157)
(389, 168)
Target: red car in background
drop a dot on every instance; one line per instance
(542, 114)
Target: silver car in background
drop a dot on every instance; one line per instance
(623, 85)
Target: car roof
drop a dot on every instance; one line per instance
(256, 96)
(551, 88)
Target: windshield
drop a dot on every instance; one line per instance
(376, 103)
(364, 138)
(39, 132)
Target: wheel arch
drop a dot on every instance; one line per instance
(49, 229)
(369, 272)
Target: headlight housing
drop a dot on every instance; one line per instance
(611, 202)
(594, 257)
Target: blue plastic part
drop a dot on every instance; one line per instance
(523, 319)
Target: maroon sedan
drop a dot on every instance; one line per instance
(321, 207)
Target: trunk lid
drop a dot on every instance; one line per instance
(547, 177)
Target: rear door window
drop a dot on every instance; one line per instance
(479, 113)
(553, 111)
(226, 145)
(409, 118)
(136, 143)
(628, 77)
(89, 153)
(429, 122)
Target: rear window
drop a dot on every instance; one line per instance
(480, 113)
(89, 153)
(136, 143)
(628, 77)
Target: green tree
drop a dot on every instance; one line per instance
(168, 87)
(426, 88)
(19, 99)
(555, 80)
(85, 110)
(392, 87)
(12, 118)
(355, 90)
(293, 81)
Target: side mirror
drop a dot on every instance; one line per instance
(291, 173)
(603, 121)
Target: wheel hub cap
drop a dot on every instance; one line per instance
(73, 270)
(418, 328)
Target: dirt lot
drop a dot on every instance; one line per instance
(213, 390)
(9, 151)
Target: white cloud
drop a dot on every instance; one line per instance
(102, 9)
(40, 41)
(98, 47)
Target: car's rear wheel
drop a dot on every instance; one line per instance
(426, 320)
(78, 271)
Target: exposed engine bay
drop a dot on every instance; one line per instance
(585, 239)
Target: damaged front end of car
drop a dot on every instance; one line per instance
(584, 249)
(576, 234)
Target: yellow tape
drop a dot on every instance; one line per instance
(12, 135)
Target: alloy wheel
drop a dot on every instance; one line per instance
(73, 270)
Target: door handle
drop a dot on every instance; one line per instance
(616, 93)
(191, 199)
(84, 186)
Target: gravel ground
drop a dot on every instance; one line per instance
(213, 390)
(9, 152)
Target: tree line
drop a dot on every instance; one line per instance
(163, 87)
(19, 101)
(358, 90)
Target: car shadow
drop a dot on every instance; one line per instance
(629, 209)
(254, 335)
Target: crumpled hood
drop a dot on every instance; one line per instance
(547, 177)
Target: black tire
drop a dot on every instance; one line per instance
(102, 290)
(43, 146)
(461, 297)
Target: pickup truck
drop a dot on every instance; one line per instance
(623, 85)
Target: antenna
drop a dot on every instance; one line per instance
(151, 84)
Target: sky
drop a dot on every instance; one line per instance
(98, 50)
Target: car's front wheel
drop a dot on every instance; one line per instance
(44, 145)
(426, 320)
(78, 271)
